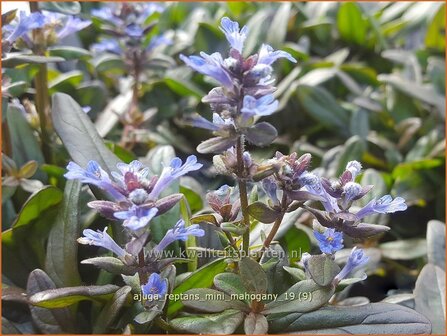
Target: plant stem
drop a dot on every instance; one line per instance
(243, 194)
(141, 273)
(41, 86)
(277, 223)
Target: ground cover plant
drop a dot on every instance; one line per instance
(223, 168)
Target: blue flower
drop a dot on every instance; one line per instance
(110, 45)
(136, 217)
(210, 65)
(351, 191)
(386, 204)
(312, 184)
(25, 24)
(106, 13)
(134, 30)
(72, 25)
(357, 258)
(179, 232)
(271, 189)
(94, 175)
(155, 288)
(172, 172)
(263, 106)
(235, 37)
(268, 56)
(101, 239)
(354, 167)
(329, 241)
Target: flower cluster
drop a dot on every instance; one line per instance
(127, 27)
(337, 197)
(54, 26)
(136, 194)
(245, 93)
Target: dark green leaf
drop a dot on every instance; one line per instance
(262, 212)
(49, 321)
(322, 269)
(111, 310)
(63, 297)
(211, 301)
(261, 134)
(229, 283)
(69, 52)
(436, 243)
(17, 59)
(202, 278)
(255, 324)
(253, 276)
(61, 262)
(223, 323)
(374, 318)
(82, 142)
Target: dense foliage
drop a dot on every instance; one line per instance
(233, 167)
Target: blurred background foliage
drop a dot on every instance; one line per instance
(369, 86)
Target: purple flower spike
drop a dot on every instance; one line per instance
(268, 56)
(330, 241)
(155, 287)
(210, 65)
(179, 232)
(357, 258)
(101, 239)
(235, 37)
(385, 204)
(172, 172)
(136, 217)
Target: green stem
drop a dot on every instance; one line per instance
(277, 223)
(243, 194)
(42, 94)
(141, 264)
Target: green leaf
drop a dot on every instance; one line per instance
(253, 276)
(278, 29)
(262, 212)
(296, 273)
(66, 82)
(229, 283)
(374, 318)
(261, 134)
(351, 24)
(322, 269)
(255, 324)
(223, 323)
(49, 321)
(15, 60)
(111, 310)
(404, 249)
(63, 297)
(435, 37)
(61, 262)
(322, 106)
(436, 243)
(211, 301)
(296, 242)
(302, 297)
(25, 146)
(83, 141)
(68, 7)
(36, 204)
(184, 88)
(429, 295)
(108, 63)
(202, 278)
(69, 52)
(146, 316)
(109, 264)
(273, 261)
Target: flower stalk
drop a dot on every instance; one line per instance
(243, 195)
